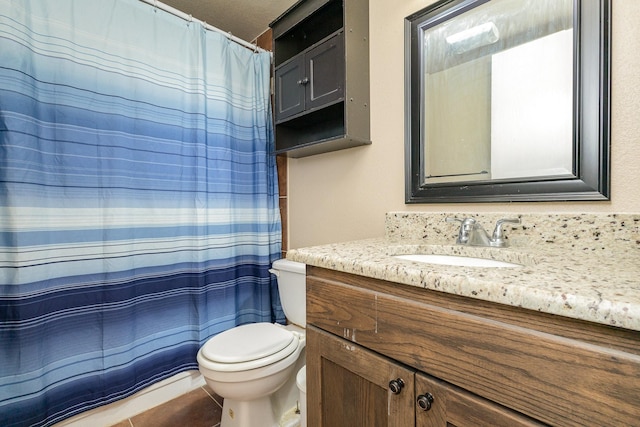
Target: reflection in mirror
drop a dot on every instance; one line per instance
(496, 100)
(490, 80)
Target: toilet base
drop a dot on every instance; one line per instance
(254, 413)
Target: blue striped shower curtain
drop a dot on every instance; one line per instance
(138, 200)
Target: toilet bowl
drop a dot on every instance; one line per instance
(248, 365)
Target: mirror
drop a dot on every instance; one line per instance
(507, 100)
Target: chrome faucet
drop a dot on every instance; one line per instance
(471, 232)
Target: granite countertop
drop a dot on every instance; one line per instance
(595, 280)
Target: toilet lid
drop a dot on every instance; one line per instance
(248, 342)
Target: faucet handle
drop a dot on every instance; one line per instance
(497, 237)
(465, 221)
(465, 227)
(453, 219)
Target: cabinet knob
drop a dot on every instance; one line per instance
(396, 385)
(303, 81)
(425, 401)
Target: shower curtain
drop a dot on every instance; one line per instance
(138, 200)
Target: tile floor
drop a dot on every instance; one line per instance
(199, 408)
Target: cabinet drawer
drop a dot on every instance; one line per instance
(554, 379)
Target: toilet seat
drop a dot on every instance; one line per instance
(249, 346)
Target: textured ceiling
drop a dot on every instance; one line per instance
(246, 19)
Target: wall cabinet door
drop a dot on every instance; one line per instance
(325, 71)
(348, 385)
(290, 91)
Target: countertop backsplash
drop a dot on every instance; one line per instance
(578, 231)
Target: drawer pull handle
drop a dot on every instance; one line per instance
(425, 401)
(396, 385)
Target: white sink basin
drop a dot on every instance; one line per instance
(461, 261)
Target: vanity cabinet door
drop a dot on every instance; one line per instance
(348, 385)
(439, 404)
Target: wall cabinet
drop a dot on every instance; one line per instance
(321, 62)
(461, 362)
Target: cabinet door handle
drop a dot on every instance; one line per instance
(396, 385)
(303, 81)
(425, 401)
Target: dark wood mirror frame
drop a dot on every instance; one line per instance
(591, 165)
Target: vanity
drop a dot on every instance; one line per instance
(554, 340)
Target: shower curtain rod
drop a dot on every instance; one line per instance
(180, 14)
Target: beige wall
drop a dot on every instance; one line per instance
(344, 195)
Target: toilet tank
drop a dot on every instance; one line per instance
(292, 288)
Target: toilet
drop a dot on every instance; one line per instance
(253, 367)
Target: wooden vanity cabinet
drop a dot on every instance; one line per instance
(467, 362)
